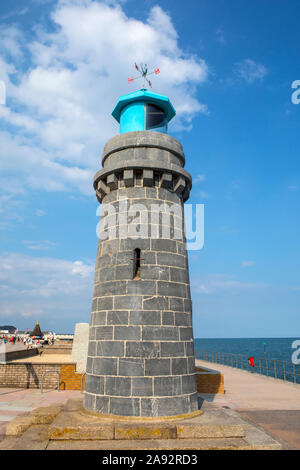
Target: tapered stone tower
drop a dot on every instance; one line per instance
(141, 349)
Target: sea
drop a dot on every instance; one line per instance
(274, 357)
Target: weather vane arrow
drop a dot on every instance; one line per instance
(143, 69)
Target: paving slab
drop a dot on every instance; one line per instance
(2, 430)
(12, 407)
(5, 391)
(35, 438)
(7, 417)
(43, 415)
(283, 425)
(18, 425)
(18, 402)
(168, 444)
(73, 425)
(8, 442)
(144, 432)
(209, 432)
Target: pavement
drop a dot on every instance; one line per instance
(273, 405)
(15, 402)
(47, 359)
(9, 347)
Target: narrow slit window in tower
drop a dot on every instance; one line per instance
(137, 264)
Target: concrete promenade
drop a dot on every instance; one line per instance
(10, 347)
(47, 359)
(274, 405)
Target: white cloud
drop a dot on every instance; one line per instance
(222, 283)
(14, 13)
(11, 209)
(198, 178)
(57, 118)
(11, 41)
(35, 167)
(247, 264)
(44, 286)
(249, 70)
(39, 245)
(221, 37)
(81, 269)
(204, 195)
(40, 213)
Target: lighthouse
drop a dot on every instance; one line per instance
(141, 349)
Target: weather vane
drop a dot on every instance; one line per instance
(143, 69)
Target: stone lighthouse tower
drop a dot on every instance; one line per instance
(141, 348)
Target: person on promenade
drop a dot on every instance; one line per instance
(251, 362)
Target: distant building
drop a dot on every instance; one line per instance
(7, 329)
(64, 337)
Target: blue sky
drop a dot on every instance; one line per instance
(228, 67)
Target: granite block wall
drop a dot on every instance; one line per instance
(141, 348)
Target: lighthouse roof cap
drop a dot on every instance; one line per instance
(148, 97)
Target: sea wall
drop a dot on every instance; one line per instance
(6, 356)
(29, 375)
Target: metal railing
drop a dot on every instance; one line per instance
(278, 369)
(48, 372)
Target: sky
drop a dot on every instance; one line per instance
(228, 67)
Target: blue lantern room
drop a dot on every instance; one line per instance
(143, 110)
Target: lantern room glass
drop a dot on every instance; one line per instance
(156, 119)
